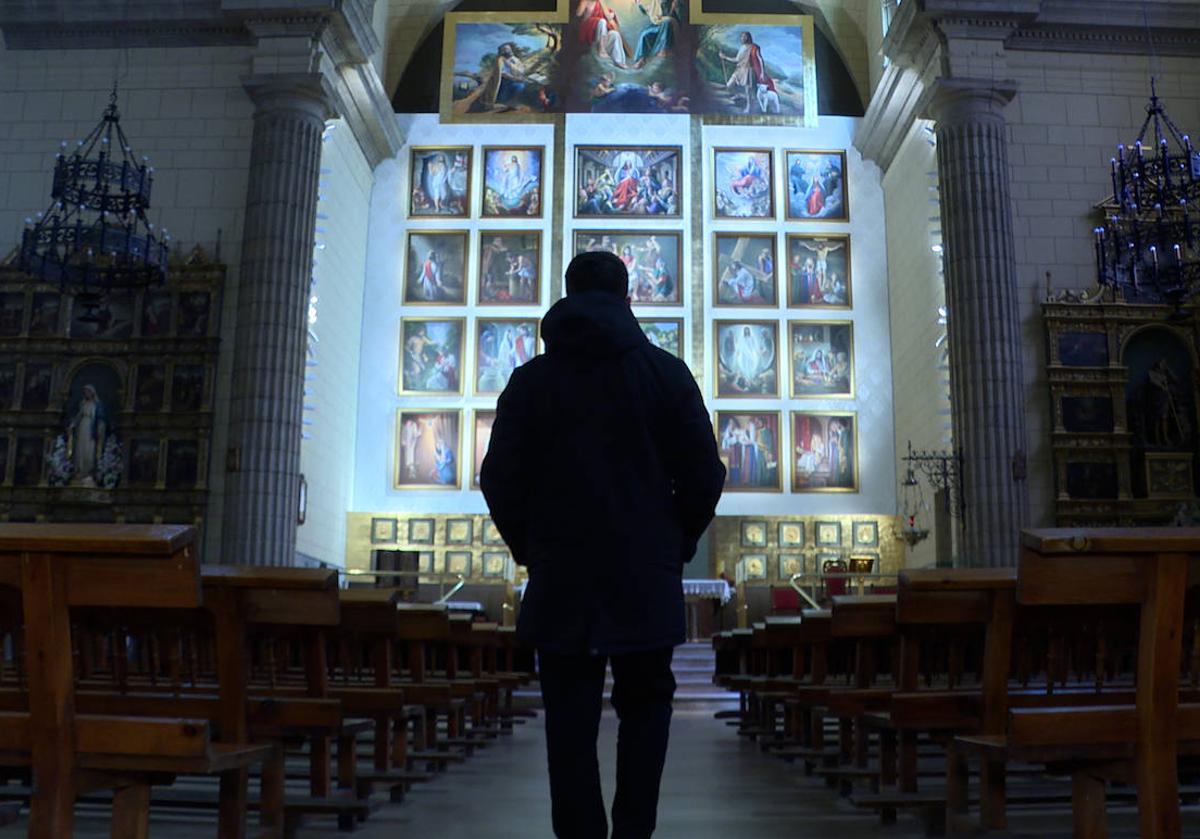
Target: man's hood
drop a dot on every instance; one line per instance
(593, 324)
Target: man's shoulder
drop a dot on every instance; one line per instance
(669, 363)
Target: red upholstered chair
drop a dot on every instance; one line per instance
(836, 585)
(784, 599)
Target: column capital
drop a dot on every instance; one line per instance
(310, 93)
(957, 100)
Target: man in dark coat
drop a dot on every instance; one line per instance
(602, 474)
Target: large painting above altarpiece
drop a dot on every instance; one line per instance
(627, 57)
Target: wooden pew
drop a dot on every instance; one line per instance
(60, 566)
(1152, 570)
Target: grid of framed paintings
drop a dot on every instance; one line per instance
(475, 238)
(776, 252)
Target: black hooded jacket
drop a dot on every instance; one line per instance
(602, 473)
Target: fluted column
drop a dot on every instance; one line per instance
(266, 407)
(987, 389)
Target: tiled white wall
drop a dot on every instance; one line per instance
(1070, 112)
(186, 109)
(327, 452)
(916, 289)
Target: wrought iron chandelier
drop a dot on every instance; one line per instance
(1148, 249)
(94, 237)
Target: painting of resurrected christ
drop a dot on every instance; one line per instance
(747, 358)
(627, 181)
(440, 182)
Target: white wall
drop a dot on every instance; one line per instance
(378, 399)
(916, 290)
(183, 107)
(331, 391)
(1070, 112)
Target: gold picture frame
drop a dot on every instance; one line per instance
(458, 563)
(725, 360)
(769, 180)
(651, 327)
(834, 331)
(790, 158)
(619, 149)
(414, 268)
(803, 283)
(719, 275)
(812, 459)
(791, 534)
(485, 188)
(478, 415)
(488, 253)
(460, 531)
(582, 238)
(413, 153)
(417, 457)
(731, 428)
(496, 365)
(404, 380)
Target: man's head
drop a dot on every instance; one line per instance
(598, 271)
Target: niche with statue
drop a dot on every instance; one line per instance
(106, 403)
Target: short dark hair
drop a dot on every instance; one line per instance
(598, 271)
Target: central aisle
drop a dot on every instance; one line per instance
(716, 785)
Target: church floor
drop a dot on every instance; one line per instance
(716, 785)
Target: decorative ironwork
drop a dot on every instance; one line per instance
(94, 237)
(1147, 249)
(942, 470)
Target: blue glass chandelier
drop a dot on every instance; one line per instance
(1148, 249)
(94, 237)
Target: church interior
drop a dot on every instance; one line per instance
(267, 265)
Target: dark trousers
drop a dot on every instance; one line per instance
(572, 692)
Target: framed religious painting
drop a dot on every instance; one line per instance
(460, 531)
(183, 464)
(748, 442)
(109, 319)
(12, 313)
(440, 181)
(753, 68)
(664, 333)
(383, 531)
(194, 314)
(824, 451)
(491, 533)
(819, 271)
(501, 346)
(156, 314)
(421, 530)
(187, 388)
(747, 358)
(435, 268)
(8, 384)
(791, 534)
(427, 446)
(790, 565)
(829, 534)
(744, 270)
(653, 259)
(150, 388)
(458, 563)
(512, 181)
(816, 185)
(754, 534)
(866, 534)
(431, 355)
(496, 564)
(510, 268)
(822, 356)
(481, 438)
(752, 567)
(45, 313)
(628, 181)
(144, 454)
(500, 68)
(743, 184)
(35, 390)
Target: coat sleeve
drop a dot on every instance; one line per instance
(504, 475)
(697, 471)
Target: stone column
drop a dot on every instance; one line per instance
(263, 462)
(987, 389)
